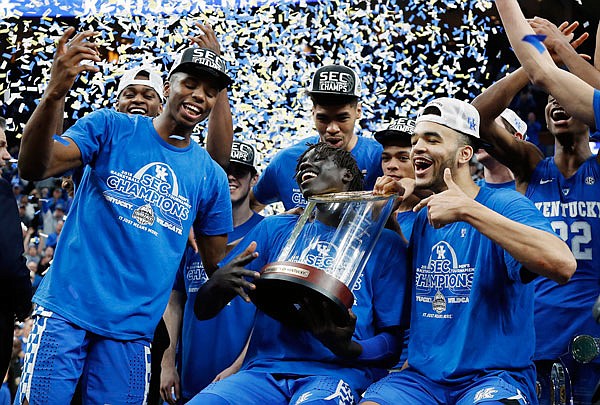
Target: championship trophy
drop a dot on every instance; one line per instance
(323, 258)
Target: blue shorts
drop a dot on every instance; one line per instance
(410, 387)
(59, 353)
(260, 388)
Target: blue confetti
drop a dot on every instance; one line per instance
(537, 41)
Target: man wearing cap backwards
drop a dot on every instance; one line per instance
(226, 334)
(104, 293)
(327, 363)
(335, 93)
(565, 188)
(474, 251)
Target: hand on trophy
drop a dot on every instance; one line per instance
(336, 338)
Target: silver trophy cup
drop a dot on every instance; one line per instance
(323, 257)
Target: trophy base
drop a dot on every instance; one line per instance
(284, 289)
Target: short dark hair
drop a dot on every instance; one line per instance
(342, 158)
(2, 123)
(328, 100)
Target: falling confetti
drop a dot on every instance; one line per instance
(406, 53)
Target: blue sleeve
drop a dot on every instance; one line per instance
(390, 285)
(90, 133)
(215, 216)
(265, 191)
(522, 210)
(380, 347)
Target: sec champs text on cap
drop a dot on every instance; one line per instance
(243, 153)
(335, 80)
(202, 61)
(401, 129)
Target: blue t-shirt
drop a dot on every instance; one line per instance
(5, 394)
(129, 224)
(406, 220)
(379, 297)
(220, 339)
(472, 314)
(277, 182)
(573, 208)
(596, 105)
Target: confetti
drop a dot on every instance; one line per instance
(537, 41)
(407, 52)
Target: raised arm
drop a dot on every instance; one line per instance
(40, 155)
(519, 156)
(220, 124)
(572, 93)
(564, 52)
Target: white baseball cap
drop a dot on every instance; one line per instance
(515, 121)
(452, 113)
(154, 80)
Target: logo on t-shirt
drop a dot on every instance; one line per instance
(195, 275)
(298, 198)
(150, 194)
(443, 281)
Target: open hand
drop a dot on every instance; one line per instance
(206, 38)
(69, 61)
(557, 35)
(233, 276)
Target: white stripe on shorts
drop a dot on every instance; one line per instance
(41, 315)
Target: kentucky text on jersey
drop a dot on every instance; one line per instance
(573, 209)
